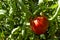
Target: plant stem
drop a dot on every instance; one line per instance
(54, 14)
(36, 11)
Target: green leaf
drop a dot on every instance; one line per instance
(53, 6)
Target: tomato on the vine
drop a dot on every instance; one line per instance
(39, 25)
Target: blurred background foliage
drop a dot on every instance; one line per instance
(15, 16)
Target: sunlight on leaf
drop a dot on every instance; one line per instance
(2, 11)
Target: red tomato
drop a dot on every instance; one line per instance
(39, 24)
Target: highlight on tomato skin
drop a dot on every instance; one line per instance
(39, 25)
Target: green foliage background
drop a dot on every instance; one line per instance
(15, 16)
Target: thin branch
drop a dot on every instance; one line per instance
(54, 14)
(56, 11)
